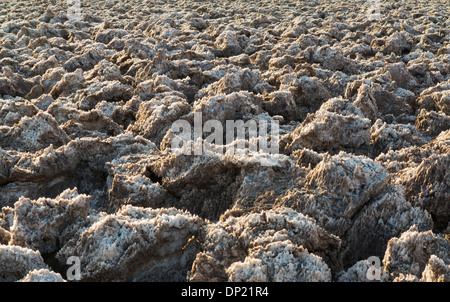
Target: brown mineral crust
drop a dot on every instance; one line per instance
(337, 125)
(17, 261)
(136, 244)
(416, 253)
(38, 224)
(422, 173)
(33, 134)
(385, 137)
(42, 275)
(203, 185)
(86, 165)
(308, 93)
(347, 194)
(436, 98)
(91, 124)
(156, 116)
(378, 222)
(432, 122)
(232, 239)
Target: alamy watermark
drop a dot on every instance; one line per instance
(374, 271)
(259, 139)
(373, 11)
(74, 10)
(74, 271)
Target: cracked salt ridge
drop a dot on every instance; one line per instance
(85, 115)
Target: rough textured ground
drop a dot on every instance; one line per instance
(363, 166)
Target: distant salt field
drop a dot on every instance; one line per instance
(216, 141)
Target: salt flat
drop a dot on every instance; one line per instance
(357, 96)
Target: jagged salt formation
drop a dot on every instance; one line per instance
(86, 169)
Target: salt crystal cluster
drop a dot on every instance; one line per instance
(86, 114)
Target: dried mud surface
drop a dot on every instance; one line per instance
(86, 109)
